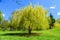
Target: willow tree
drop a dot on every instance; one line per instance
(31, 18)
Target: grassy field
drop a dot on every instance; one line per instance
(53, 34)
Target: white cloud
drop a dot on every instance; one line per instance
(3, 15)
(58, 13)
(53, 7)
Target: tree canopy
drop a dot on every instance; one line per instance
(35, 17)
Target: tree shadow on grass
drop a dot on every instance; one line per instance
(22, 34)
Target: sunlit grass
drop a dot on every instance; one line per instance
(52, 34)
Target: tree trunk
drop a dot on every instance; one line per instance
(29, 30)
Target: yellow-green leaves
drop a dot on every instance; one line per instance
(35, 17)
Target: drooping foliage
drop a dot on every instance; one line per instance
(16, 18)
(33, 17)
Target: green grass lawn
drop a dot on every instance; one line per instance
(53, 34)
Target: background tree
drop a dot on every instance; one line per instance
(58, 20)
(57, 23)
(1, 17)
(51, 21)
(5, 25)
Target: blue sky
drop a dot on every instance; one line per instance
(8, 6)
